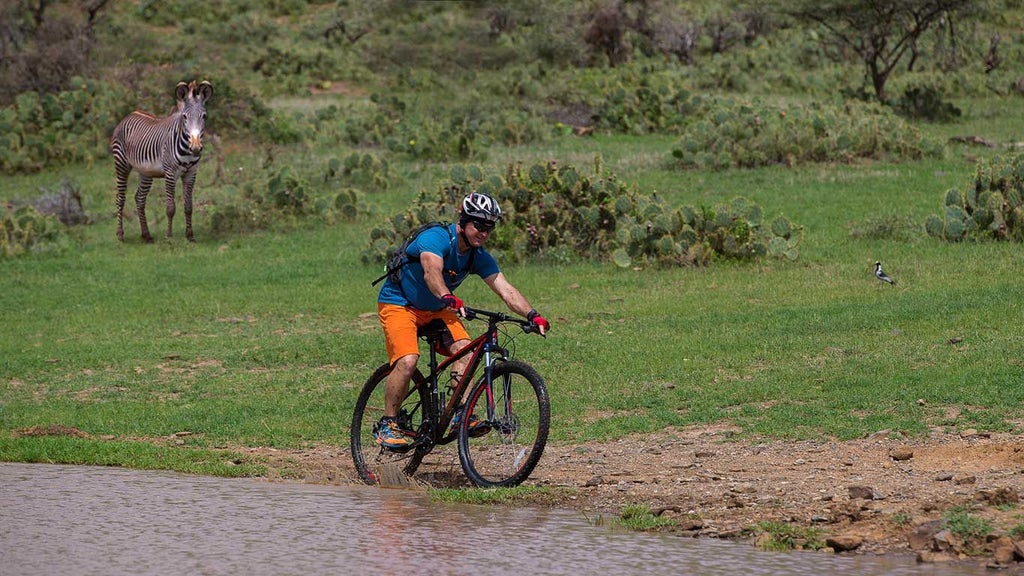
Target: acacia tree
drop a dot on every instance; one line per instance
(881, 32)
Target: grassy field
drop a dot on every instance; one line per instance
(264, 339)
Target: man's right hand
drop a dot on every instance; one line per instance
(454, 302)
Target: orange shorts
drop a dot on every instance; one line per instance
(400, 324)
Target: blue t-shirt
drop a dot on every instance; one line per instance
(413, 290)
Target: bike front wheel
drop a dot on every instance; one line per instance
(375, 464)
(517, 410)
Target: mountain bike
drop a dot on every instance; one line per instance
(508, 396)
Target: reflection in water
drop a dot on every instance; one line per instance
(73, 520)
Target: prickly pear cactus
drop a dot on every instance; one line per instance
(24, 230)
(562, 214)
(989, 207)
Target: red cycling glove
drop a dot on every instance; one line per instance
(452, 301)
(539, 321)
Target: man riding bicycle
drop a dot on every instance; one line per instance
(440, 258)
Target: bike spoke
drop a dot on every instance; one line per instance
(375, 464)
(507, 454)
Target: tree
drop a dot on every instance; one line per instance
(43, 43)
(881, 32)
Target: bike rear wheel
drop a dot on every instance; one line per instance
(519, 420)
(375, 464)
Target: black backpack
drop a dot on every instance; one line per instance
(399, 258)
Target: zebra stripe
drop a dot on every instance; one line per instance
(168, 148)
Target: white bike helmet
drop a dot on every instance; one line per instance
(482, 207)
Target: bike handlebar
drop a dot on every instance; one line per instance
(497, 317)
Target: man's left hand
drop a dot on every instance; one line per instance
(539, 321)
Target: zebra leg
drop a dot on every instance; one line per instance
(169, 199)
(122, 185)
(140, 205)
(188, 180)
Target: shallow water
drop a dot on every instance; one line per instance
(70, 520)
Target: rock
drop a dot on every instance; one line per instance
(65, 203)
(1003, 550)
(1018, 550)
(946, 541)
(664, 509)
(844, 542)
(849, 510)
(595, 481)
(921, 539)
(733, 501)
(881, 434)
(690, 524)
(966, 479)
(997, 497)
(929, 557)
(864, 493)
(901, 454)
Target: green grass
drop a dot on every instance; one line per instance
(972, 529)
(781, 536)
(140, 455)
(264, 339)
(641, 518)
(494, 495)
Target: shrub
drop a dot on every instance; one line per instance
(359, 169)
(558, 213)
(748, 134)
(69, 126)
(925, 103)
(990, 207)
(174, 13)
(24, 230)
(280, 199)
(636, 100)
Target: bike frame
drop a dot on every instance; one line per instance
(425, 413)
(481, 349)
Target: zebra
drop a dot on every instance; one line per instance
(167, 148)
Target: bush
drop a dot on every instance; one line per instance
(558, 213)
(70, 126)
(359, 169)
(637, 100)
(280, 199)
(746, 134)
(925, 103)
(24, 230)
(990, 207)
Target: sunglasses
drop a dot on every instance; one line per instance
(483, 226)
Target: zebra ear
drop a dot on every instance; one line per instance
(181, 92)
(205, 91)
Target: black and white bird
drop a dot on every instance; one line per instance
(882, 275)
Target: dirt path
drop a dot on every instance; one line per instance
(881, 494)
